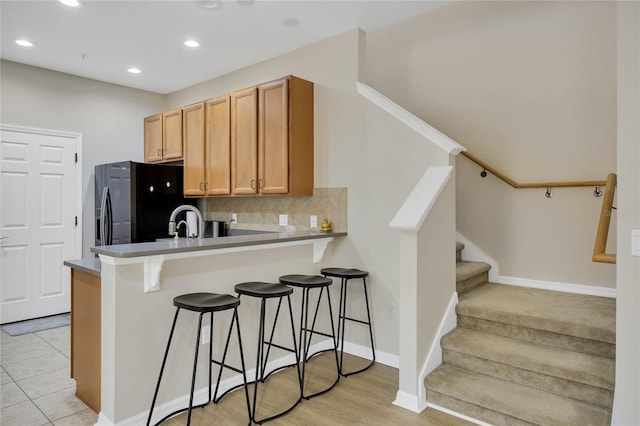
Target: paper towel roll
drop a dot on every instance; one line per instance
(192, 222)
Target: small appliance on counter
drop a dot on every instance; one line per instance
(215, 229)
(133, 201)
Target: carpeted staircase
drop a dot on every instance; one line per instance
(522, 356)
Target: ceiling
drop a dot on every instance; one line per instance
(102, 39)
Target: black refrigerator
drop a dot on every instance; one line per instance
(133, 201)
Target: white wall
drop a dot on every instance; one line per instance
(626, 410)
(529, 87)
(108, 116)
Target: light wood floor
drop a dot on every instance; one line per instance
(361, 399)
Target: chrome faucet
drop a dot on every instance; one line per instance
(183, 222)
(172, 219)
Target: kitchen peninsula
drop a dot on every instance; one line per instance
(138, 284)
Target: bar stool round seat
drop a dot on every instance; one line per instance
(266, 291)
(346, 274)
(309, 281)
(263, 290)
(204, 303)
(308, 327)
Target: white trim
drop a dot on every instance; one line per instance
(430, 133)
(558, 286)
(409, 402)
(448, 322)
(365, 352)
(472, 252)
(416, 207)
(458, 415)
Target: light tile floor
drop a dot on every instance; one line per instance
(36, 388)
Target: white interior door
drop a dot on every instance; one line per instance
(37, 222)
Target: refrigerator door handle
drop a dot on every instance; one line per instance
(109, 224)
(103, 214)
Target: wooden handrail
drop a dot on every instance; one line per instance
(515, 184)
(600, 245)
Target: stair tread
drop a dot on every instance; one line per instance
(547, 360)
(522, 402)
(585, 316)
(466, 269)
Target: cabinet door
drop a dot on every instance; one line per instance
(218, 146)
(244, 141)
(194, 147)
(172, 134)
(273, 137)
(153, 138)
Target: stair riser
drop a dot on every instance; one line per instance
(471, 283)
(567, 388)
(472, 410)
(578, 344)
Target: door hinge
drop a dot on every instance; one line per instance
(76, 157)
(76, 220)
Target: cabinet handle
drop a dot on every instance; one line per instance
(253, 184)
(201, 186)
(206, 186)
(159, 152)
(260, 185)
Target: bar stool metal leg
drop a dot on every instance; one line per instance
(345, 275)
(262, 358)
(164, 362)
(308, 335)
(223, 365)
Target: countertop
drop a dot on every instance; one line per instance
(89, 265)
(183, 245)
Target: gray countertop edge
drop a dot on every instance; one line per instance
(169, 246)
(89, 265)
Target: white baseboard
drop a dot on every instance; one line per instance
(409, 402)
(558, 286)
(458, 415)
(365, 352)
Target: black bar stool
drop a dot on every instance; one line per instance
(266, 291)
(203, 303)
(307, 283)
(345, 275)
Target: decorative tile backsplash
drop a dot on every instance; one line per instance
(263, 212)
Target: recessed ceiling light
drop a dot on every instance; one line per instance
(291, 22)
(72, 3)
(24, 43)
(191, 43)
(134, 70)
(211, 4)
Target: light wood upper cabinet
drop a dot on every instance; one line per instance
(172, 134)
(207, 148)
(273, 137)
(163, 136)
(256, 141)
(218, 146)
(280, 159)
(153, 138)
(244, 141)
(193, 124)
